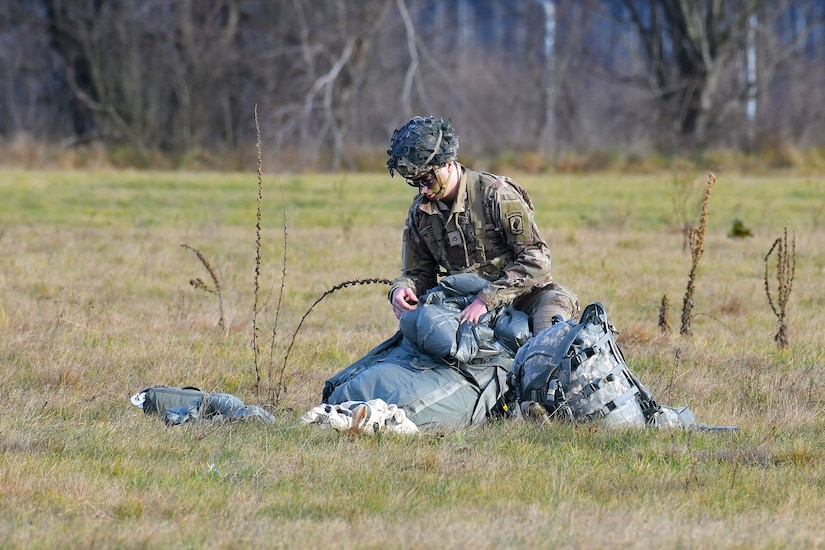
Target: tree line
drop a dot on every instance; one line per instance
(329, 78)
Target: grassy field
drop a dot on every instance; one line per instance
(95, 305)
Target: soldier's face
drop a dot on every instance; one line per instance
(431, 184)
(446, 186)
(425, 181)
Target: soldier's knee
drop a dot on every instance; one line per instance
(558, 301)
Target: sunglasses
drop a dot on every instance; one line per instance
(427, 180)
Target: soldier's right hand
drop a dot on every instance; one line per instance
(403, 299)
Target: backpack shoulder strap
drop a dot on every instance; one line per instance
(478, 184)
(475, 196)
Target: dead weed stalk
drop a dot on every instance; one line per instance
(696, 239)
(280, 298)
(664, 313)
(276, 393)
(682, 186)
(785, 271)
(256, 286)
(199, 283)
(281, 387)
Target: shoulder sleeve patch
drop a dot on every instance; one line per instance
(516, 221)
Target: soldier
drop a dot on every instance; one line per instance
(462, 221)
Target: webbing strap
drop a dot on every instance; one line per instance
(586, 354)
(586, 390)
(435, 396)
(611, 406)
(476, 213)
(438, 234)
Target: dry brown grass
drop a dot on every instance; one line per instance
(95, 308)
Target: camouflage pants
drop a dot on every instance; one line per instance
(543, 303)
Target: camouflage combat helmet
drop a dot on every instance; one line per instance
(421, 144)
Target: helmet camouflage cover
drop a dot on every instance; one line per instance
(421, 144)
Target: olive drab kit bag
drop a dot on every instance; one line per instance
(576, 371)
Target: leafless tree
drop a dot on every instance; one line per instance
(151, 78)
(701, 58)
(334, 76)
(25, 65)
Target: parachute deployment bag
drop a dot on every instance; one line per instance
(179, 405)
(159, 399)
(576, 371)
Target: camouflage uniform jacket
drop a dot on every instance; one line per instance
(442, 241)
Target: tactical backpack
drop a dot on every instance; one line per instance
(576, 371)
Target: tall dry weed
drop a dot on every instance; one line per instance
(696, 239)
(664, 313)
(281, 386)
(276, 392)
(256, 281)
(199, 283)
(682, 186)
(785, 271)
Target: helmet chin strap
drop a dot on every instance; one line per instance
(438, 190)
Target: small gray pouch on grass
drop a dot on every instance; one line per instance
(179, 405)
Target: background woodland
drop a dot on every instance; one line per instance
(175, 83)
